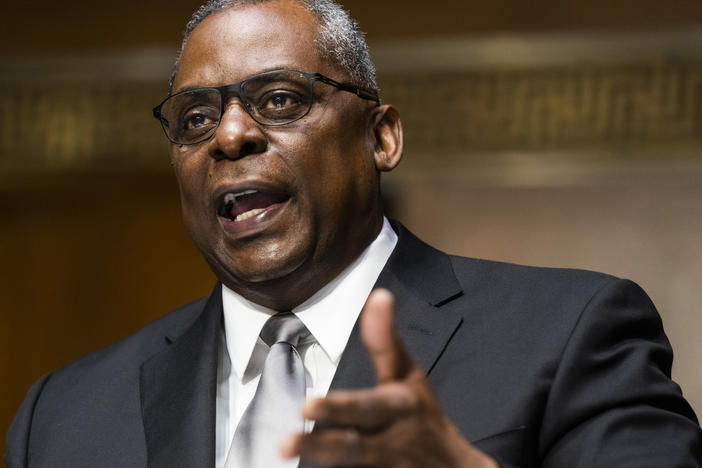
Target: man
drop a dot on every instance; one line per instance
(278, 139)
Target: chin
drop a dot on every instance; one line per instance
(259, 267)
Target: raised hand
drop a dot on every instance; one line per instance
(398, 423)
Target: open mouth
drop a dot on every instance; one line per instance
(240, 206)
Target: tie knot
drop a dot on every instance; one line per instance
(285, 327)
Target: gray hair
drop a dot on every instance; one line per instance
(339, 38)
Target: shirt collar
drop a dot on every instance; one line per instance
(329, 314)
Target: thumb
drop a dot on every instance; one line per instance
(385, 348)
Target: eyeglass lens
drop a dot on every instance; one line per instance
(273, 98)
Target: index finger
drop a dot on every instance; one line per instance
(367, 409)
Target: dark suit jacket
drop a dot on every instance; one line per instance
(537, 367)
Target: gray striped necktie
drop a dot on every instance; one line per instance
(274, 412)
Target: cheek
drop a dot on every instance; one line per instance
(345, 181)
(189, 169)
(192, 181)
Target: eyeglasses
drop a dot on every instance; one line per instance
(272, 98)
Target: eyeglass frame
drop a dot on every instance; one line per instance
(235, 88)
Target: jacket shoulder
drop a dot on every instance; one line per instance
(143, 343)
(482, 274)
(74, 401)
(505, 274)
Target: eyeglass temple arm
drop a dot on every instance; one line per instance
(360, 92)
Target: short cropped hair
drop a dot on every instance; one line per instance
(339, 39)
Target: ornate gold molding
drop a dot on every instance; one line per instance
(576, 106)
(466, 97)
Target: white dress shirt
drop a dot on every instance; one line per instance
(329, 315)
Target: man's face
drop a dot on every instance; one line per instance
(308, 190)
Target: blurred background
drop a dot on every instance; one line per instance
(551, 132)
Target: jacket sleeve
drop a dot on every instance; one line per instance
(16, 453)
(612, 402)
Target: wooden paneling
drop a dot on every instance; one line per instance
(44, 25)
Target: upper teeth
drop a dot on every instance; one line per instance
(231, 197)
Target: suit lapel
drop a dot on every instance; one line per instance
(178, 388)
(422, 281)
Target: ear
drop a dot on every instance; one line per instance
(387, 133)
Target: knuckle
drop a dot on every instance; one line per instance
(352, 446)
(408, 398)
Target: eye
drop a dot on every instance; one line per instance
(280, 101)
(196, 118)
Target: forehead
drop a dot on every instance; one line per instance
(235, 43)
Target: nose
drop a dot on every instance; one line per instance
(238, 135)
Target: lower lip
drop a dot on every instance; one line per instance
(256, 223)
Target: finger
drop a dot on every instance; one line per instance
(366, 410)
(385, 348)
(332, 447)
(290, 447)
